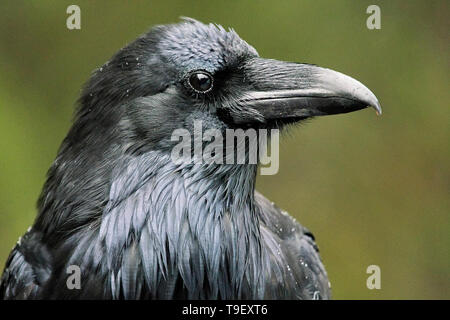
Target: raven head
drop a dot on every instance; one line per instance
(176, 74)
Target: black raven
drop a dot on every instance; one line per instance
(139, 225)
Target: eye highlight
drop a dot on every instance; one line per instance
(201, 81)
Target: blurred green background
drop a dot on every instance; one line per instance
(374, 190)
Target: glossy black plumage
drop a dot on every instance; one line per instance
(143, 227)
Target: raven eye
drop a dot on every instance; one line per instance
(201, 81)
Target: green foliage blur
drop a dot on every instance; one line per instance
(374, 190)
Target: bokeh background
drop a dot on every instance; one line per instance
(374, 190)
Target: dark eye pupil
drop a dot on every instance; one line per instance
(200, 81)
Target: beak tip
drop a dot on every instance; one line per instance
(377, 108)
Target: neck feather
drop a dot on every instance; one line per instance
(191, 219)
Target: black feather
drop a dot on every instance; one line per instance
(137, 224)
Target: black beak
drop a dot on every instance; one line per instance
(289, 91)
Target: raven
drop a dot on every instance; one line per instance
(138, 225)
